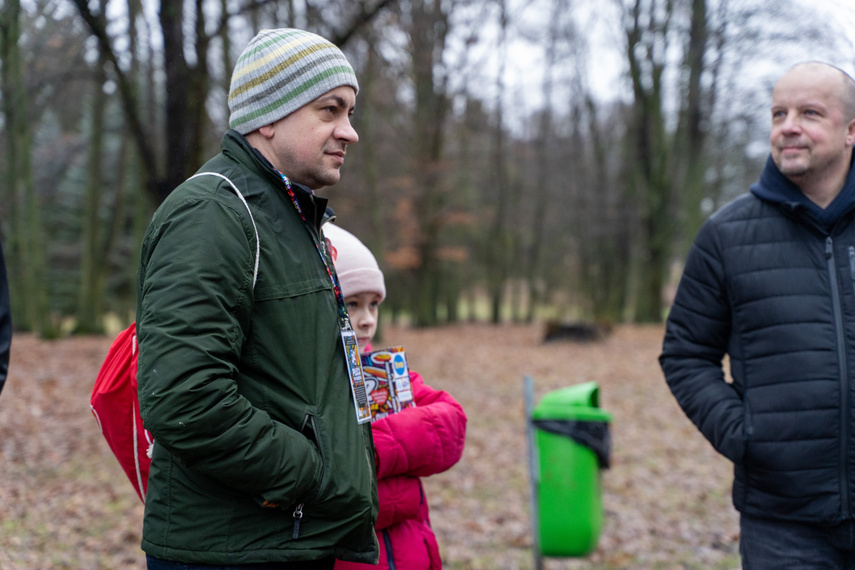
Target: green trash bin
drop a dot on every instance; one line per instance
(572, 446)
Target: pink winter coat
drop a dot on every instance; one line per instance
(414, 443)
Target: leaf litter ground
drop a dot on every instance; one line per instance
(65, 503)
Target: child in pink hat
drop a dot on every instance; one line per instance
(413, 443)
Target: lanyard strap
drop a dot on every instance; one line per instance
(342, 307)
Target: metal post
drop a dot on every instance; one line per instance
(533, 471)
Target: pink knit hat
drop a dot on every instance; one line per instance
(357, 268)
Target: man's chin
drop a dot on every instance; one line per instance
(322, 181)
(792, 168)
(795, 171)
(330, 178)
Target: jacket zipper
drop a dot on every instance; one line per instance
(387, 540)
(841, 360)
(298, 516)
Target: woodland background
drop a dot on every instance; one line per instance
(518, 159)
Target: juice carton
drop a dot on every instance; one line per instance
(387, 381)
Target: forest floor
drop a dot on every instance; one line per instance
(65, 503)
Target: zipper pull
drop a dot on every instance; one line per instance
(829, 250)
(298, 515)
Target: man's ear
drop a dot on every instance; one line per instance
(267, 131)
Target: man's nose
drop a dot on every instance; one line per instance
(791, 123)
(345, 132)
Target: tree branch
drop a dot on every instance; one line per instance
(98, 28)
(365, 16)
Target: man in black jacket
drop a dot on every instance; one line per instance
(770, 281)
(5, 322)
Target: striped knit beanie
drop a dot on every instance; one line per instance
(279, 72)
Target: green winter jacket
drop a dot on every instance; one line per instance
(246, 389)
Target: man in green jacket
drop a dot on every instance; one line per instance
(261, 457)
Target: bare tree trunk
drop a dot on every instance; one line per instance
(369, 208)
(543, 145)
(368, 145)
(699, 102)
(142, 136)
(225, 39)
(498, 240)
(605, 220)
(647, 44)
(430, 26)
(28, 284)
(187, 88)
(91, 287)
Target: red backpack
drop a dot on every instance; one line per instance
(115, 402)
(116, 406)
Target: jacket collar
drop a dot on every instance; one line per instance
(235, 146)
(774, 187)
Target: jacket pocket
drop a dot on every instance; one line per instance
(743, 468)
(291, 289)
(747, 432)
(309, 429)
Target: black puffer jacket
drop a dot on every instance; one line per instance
(770, 281)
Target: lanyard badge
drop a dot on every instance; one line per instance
(356, 374)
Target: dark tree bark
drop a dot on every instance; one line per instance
(25, 239)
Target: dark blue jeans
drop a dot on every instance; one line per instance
(153, 563)
(778, 545)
